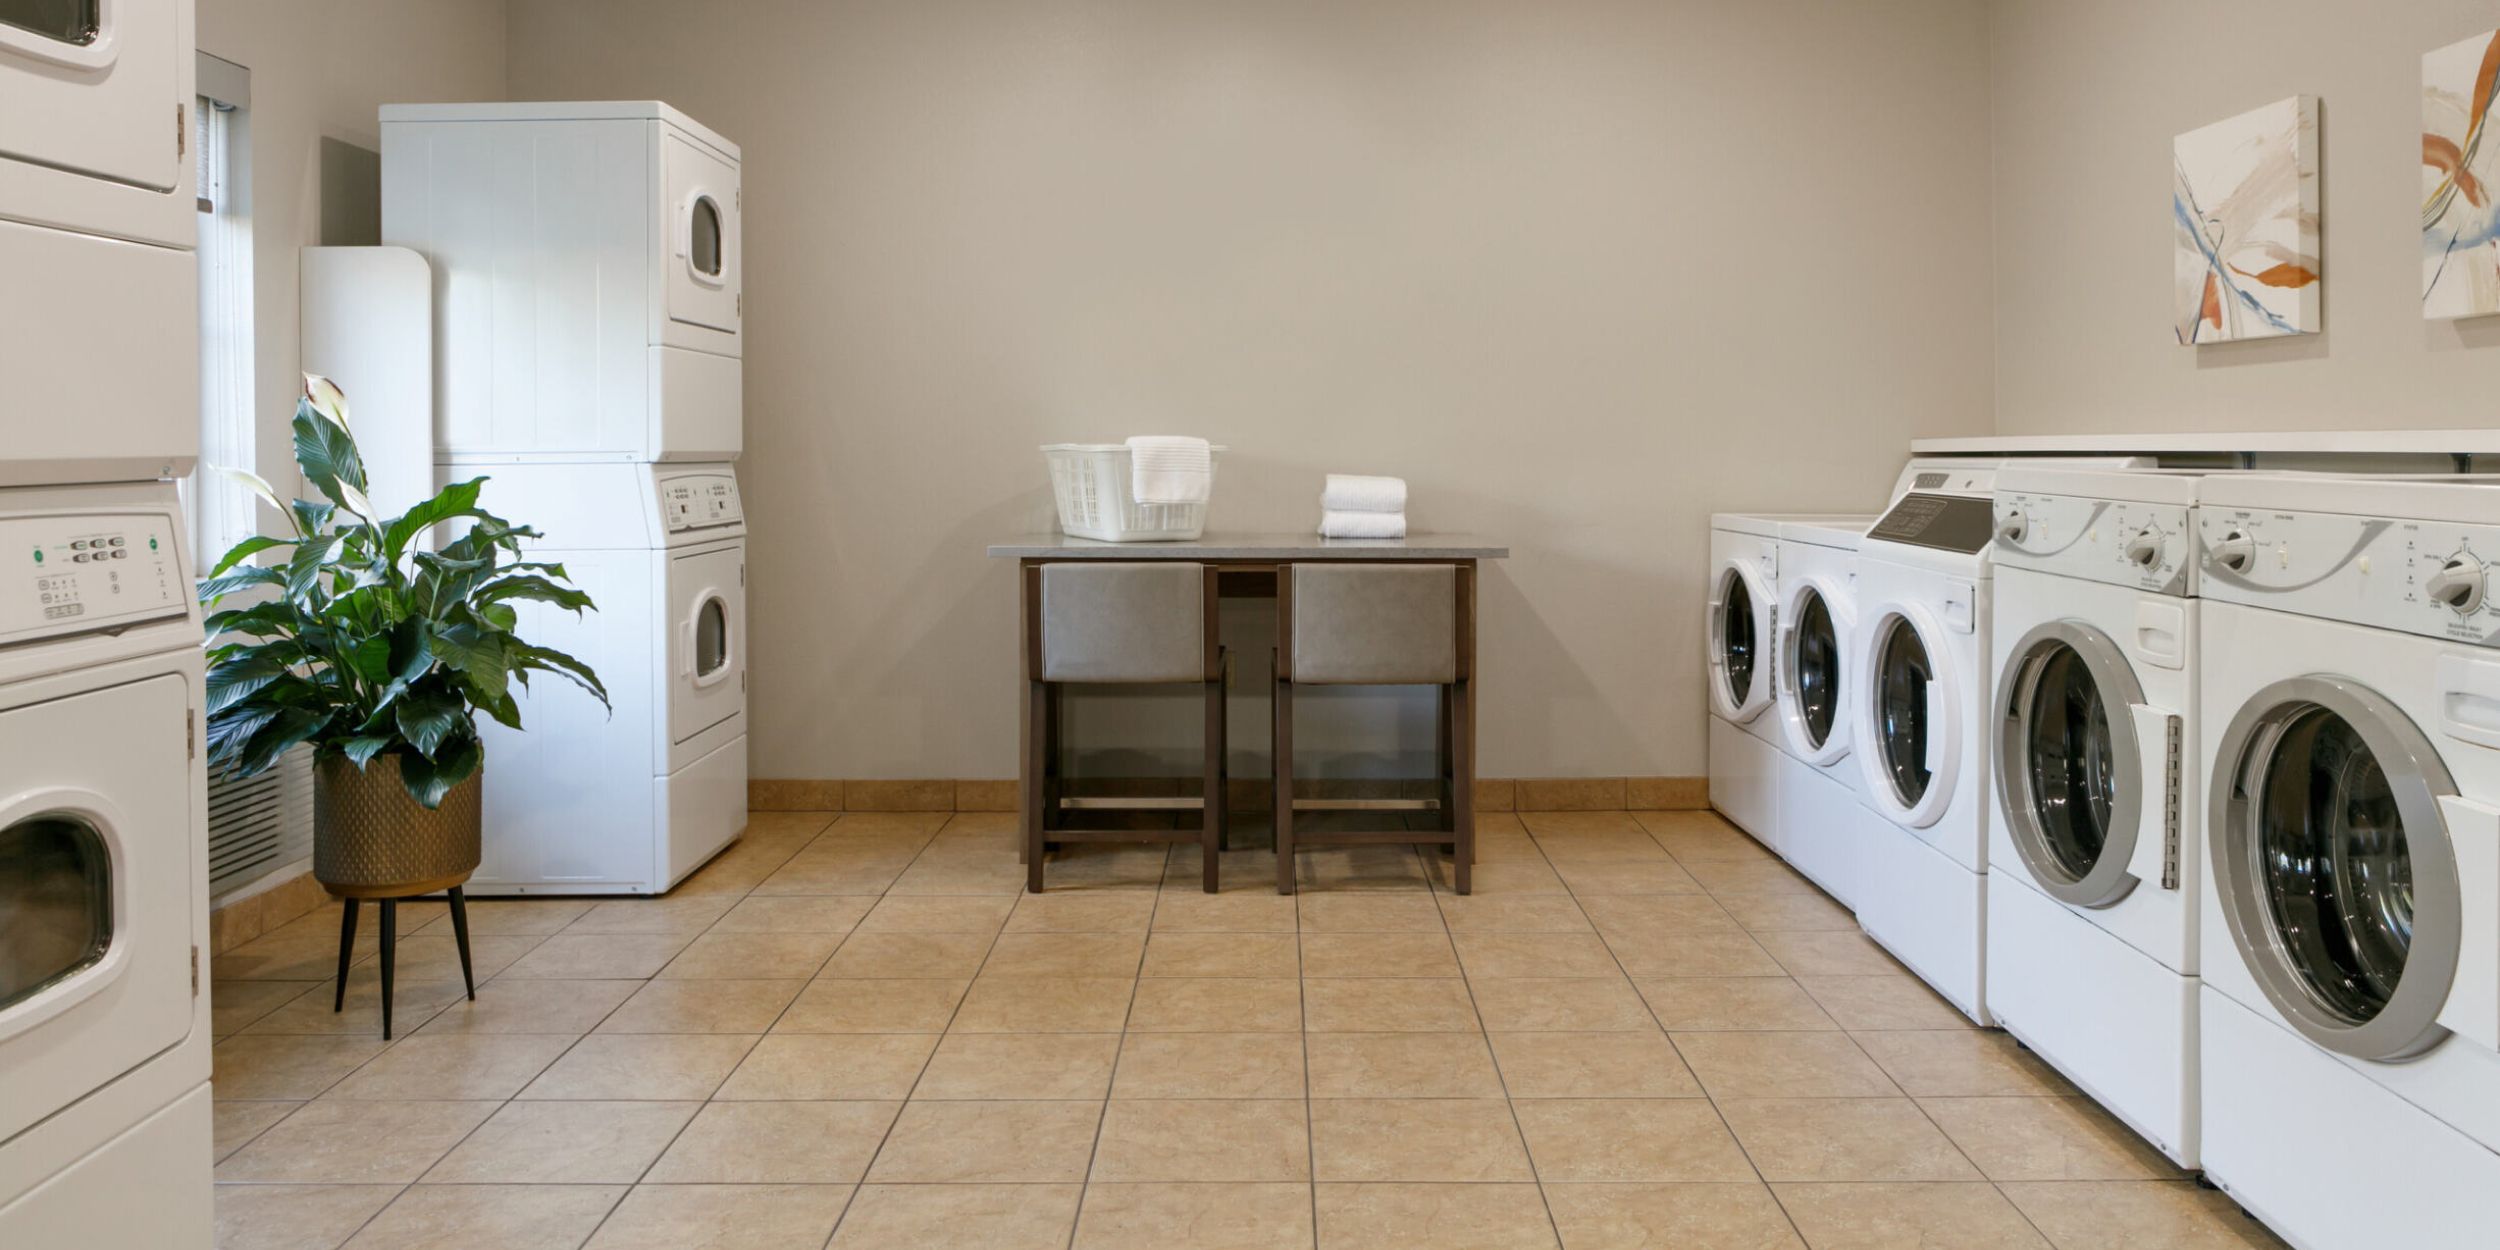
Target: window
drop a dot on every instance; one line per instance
(222, 510)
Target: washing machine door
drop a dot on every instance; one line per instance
(707, 641)
(704, 235)
(1908, 737)
(1740, 627)
(94, 87)
(2334, 866)
(95, 892)
(2066, 762)
(1811, 667)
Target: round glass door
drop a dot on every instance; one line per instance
(56, 904)
(2335, 867)
(1816, 665)
(2066, 757)
(1736, 638)
(1902, 674)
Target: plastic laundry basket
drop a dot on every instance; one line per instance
(1091, 481)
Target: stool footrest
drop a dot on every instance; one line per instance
(1367, 805)
(1373, 837)
(1141, 803)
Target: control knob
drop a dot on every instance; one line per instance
(2459, 583)
(2236, 552)
(2144, 547)
(2013, 526)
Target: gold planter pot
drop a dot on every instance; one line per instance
(371, 840)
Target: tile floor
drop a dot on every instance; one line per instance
(855, 1031)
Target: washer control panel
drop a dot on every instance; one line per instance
(2150, 546)
(2422, 577)
(693, 501)
(73, 573)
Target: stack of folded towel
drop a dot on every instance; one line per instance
(1362, 507)
(1165, 469)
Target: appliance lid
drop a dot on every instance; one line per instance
(1957, 523)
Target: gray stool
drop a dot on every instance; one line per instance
(1379, 625)
(1126, 624)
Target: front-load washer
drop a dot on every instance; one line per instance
(2093, 856)
(1823, 817)
(582, 799)
(104, 1026)
(2350, 1015)
(1740, 632)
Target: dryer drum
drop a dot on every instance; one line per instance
(1814, 669)
(2334, 867)
(1736, 640)
(1902, 676)
(2066, 760)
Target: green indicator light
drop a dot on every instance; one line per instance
(151, 544)
(38, 555)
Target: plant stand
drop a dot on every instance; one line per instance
(390, 939)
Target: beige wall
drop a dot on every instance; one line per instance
(1582, 272)
(2086, 98)
(320, 69)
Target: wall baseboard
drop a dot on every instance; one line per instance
(1493, 794)
(243, 919)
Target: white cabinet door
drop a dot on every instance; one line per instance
(95, 86)
(702, 260)
(707, 640)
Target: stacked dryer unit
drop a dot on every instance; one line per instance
(587, 360)
(104, 1026)
(2350, 1010)
(2093, 860)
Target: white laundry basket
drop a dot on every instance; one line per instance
(1092, 483)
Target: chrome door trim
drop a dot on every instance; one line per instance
(2408, 1026)
(2017, 687)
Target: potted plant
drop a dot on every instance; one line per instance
(380, 653)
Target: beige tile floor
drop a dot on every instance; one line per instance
(855, 1031)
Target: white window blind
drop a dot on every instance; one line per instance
(222, 512)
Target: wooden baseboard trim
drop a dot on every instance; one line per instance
(1493, 794)
(232, 924)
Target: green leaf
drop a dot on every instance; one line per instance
(533, 587)
(428, 780)
(245, 550)
(427, 717)
(240, 577)
(232, 682)
(311, 560)
(286, 729)
(550, 660)
(456, 500)
(372, 660)
(229, 731)
(312, 515)
(326, 453)
(361, 749)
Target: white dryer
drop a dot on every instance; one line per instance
(2093, 857)
(104, 1026)
(586, 259)
(582, 800)
(1823, 818)
(2350, 1016)
(97, 227)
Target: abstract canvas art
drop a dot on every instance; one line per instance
(2244, 212)
(2460, 167)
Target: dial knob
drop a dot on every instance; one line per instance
(2236, 551)
(2013, 525)
(2144, 547)
(2459, 583)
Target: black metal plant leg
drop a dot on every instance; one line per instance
(347, 953)
(460, 935)
(390, 941)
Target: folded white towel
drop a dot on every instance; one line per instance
(1347, 492)
(1334, 524)
(1168, 469)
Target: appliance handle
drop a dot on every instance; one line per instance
(2469, 699)
(1934, 700)
(2473, 1007)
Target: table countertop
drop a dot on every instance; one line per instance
(1221, 546)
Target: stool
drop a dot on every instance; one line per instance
(1380, 625)
(1123, 624)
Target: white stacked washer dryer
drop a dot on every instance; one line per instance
(2350, 1014)
(105, 1121)
(588, 313)
(1741, 638)
(2093, 860)
(1823, 817)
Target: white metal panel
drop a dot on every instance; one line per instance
(706, 807)
(1742, 780)
(148, 1186)
(368, 325)
(1823, 828)
(99, 379)
(698, 405)
(118, 760)
(1930, 912)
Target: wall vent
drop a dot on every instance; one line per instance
(260, 823)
